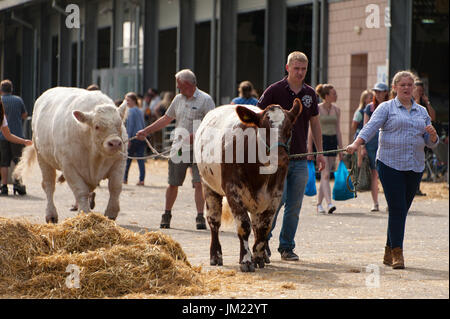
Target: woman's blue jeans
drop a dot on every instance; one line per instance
(136, 149)
(399, 190)
(294, 189)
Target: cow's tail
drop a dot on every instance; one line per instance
(227, 216)
(27, 159)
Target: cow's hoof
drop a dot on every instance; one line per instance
(217, 261)
(110, 217)
(51, 219)
(266, 259)
(247, 267)
(259, 262)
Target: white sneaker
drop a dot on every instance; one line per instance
(320, 209)
(331, 208)
(375, 208)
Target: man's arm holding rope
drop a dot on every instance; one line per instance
(156, 126)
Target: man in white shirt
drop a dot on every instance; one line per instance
(190, 105)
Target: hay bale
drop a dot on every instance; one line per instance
(112, 261)
(19, 244)
(81, 233)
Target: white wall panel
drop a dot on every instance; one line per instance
(203, 10)
(168, 14)
(291, 3)
(105, 15)
(250, 5)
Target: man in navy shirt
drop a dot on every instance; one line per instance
(15, 112)
(283, 93)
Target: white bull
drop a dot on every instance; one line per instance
(82, 134)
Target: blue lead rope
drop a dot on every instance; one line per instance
(285, 145)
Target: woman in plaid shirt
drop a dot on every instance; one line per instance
(405, 129)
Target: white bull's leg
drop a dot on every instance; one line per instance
(214, 217)
(48, 185)
(79, 188)
(115, 188)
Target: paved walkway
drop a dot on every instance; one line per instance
(340, 254)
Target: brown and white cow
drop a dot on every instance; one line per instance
(225, 146)
(80, 133)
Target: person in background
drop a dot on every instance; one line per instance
(283, 93)
(136, 148)
(140, 102)
(15, 113)
(246, 92)
(151, 100)
(190, 105)
(164, 104)
(93, 87)
(381, 94)
(358, 117)
(329, 118)
(405, 130)
(12, 139)
(421, 99)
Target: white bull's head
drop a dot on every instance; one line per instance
(106, 126)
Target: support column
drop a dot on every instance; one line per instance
(27, 68)
(213, 49)
(186, 36)
(117, 35)
(150, 68)
(323, 55)
(275, 41)
(400, 36)
(227, 50)
(10, 58)
(45, 63)
(90, 47)
(65, 53)
(315, 44)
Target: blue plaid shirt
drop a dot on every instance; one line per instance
(402, 136)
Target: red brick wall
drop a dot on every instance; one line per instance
(344, 43)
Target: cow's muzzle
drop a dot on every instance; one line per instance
(113, 144)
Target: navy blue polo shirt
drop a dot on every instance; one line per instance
(280, 93)
(14, 108)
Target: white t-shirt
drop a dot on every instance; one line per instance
(4, 122)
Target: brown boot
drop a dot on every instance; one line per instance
(387, 259)
(397, 258)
